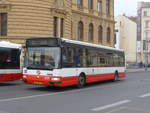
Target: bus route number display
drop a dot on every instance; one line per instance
(41, 42)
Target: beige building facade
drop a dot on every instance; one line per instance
(126, 37)
(86, 20)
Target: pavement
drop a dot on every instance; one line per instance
(129, 95)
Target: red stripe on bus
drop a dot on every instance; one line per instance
(67, 81)
(10, 77)
(122, 75)
(103, 77)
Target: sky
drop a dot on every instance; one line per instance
(128, 7)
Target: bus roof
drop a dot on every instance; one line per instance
(91, 45)
(80, 43)
(6, 44)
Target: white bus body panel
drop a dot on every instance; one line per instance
(10, 71)
(69, 72)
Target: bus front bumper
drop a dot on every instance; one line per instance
(50, 80)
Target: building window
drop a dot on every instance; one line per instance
(108, 6)
(80, 3)
(147, 24)
(108, 35)
(3, 24)
(91, 32)
(62, 28)
(100, 34)
(90, 4)
(145, 13)
(147, 34)
(80, 30)
(55, 26)
(115, 38)
(144, 46)
(99, 5)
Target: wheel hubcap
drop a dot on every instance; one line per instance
(81, 80)
(116, 77)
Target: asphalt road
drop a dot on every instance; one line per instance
(130, 95)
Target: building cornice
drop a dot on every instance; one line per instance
(61, 12)
(92, 15)
(5, 6)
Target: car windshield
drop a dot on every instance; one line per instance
(42, 58)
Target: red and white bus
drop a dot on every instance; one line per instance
(63, 62)
(10, 61)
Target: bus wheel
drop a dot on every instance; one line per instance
(115, 77)
(81, 81)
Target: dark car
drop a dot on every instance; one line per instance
(136, 65)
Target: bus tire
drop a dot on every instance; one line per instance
(115, 76)
(81, 81)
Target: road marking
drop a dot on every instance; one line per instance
(27, 97)
(145, 95)
(111, 105)
(47, 94)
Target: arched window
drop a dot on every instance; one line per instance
(80, 30)
(108, 6)
(80, 2)
(100, 34)
(108, 35)
(90, 4)
(91, 32)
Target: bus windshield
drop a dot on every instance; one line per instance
(9, 58)
(42, 58)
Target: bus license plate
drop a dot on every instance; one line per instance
(38, 83)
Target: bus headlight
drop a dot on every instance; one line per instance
(55, 79)
(47, 78)
(24, 76)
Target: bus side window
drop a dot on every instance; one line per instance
(80, 57)
(101, 59)
(92, 58)
(84, 58)
(15, 59)
(68, 57)
(88, 57)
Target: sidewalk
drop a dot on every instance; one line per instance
(137, 70)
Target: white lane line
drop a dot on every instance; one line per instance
(27, 97)
(145, 95)
(47, 94)
(111, 105)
